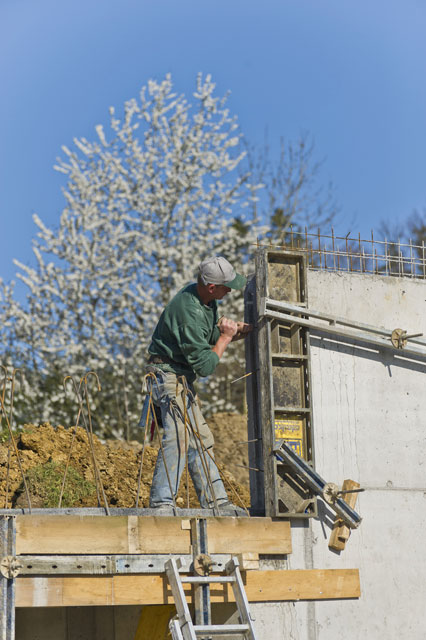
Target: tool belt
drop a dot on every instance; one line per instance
(160, 360)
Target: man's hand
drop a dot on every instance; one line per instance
(243, 328)
(228, 330)
(228, 327)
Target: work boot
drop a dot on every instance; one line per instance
(229, 509)
(163, 509)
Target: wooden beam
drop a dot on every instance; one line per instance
(248, 535)
(82, 535)
(100, 535)
(340, 533)
(261, 586)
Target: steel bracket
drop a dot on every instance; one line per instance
(10, 567)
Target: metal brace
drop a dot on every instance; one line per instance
(286, 454)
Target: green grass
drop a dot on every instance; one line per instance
(45, 481)
(4, 432)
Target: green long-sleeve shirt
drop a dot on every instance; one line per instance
(185, 333)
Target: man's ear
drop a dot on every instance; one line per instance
(211, 288)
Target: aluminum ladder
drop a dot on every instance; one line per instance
(182, 626)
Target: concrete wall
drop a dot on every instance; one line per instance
(370, 426)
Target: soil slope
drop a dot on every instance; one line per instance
(45, 451)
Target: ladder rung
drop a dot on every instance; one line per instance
(288, 356)
(220, 629)
(292, 409)
(207, 579)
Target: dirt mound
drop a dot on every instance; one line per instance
(46, 451)
(230, 431)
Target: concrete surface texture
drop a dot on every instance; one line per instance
(369, 425)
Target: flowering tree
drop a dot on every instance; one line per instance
(145, 203)
(165, 185)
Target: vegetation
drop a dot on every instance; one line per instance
(161, 187)
(45, 481)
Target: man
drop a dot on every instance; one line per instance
(189, 342)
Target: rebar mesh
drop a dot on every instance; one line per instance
(354, 254)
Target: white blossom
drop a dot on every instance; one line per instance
(155, 194)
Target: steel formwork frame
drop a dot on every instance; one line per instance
(7, 581)
(279, 389)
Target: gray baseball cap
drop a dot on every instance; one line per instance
(218, 270)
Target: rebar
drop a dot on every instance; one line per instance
(71, 447)
(194, 429)
(185, 421)
(89, 416)
(15, 448)
(12, 398)
(153, 377)
(89, 432)
(223, 477)
(3, 391)
(148, 381)
(330, 252)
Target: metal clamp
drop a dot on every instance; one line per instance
(331, 492)
(399, 338)
(203, 564)
(10, 567)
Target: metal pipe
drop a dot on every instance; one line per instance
(364, 332)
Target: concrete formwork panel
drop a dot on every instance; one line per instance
(369, 425)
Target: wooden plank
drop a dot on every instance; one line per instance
(261, 586)
(340, 533)
(248, 535)
(100, 535)
(248, 561)
(83, 535)
(154, 622)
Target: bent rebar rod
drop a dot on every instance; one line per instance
(71, 444)
(198, 442)
(15, 448)
(89, 438)
(149, 412)
(12, 397)
(223, 477)
(151, 376)
(89, 415)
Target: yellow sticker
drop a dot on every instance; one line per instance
(288, 429)
(292, 432)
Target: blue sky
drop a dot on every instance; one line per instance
(352, 74)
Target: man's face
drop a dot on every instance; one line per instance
(219, 291)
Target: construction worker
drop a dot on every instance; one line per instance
(189, 342)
